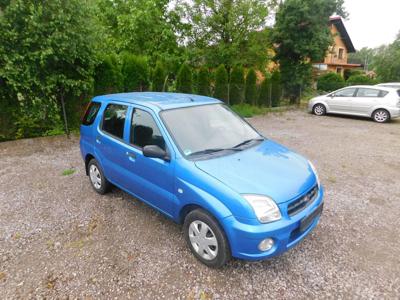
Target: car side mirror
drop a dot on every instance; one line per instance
(155, 151)
(332, 95)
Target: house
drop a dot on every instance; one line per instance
(336, 58)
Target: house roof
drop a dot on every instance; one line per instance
(338, 22)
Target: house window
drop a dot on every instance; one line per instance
(341, 52)
(339, 71)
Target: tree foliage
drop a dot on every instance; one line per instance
(203, 82)
(387, 62)
(184, 82)
(302, 36)
(330, 82)
(107, 76)
(360, 80)
(276, 89)
(159, 78)
(221, 84)
(251, 87)
(135, 73)
(265, 92)
(237, 85)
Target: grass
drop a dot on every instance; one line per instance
(68, 172)
(246, 110)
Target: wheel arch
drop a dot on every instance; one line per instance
(88, 158)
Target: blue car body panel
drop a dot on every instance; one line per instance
(214, 184)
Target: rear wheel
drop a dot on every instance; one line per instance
(319, 109)
(381, 116)
(99, 183)
(206, 239)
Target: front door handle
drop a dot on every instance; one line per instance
(131, 156)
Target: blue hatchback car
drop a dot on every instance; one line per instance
(236, 193)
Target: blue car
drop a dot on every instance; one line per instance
(237, 193)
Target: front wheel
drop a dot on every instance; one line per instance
(319, 109)
(381, 116)
(206, 239)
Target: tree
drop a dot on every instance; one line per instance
(276, 89)
(221, 84)
(330, 82)
(251, 87)
(265, 92)
(387, 62)
(203, 82)
(47, 57)
(107, 76)
(237, 85)
(135, 72)
(184, 83)
(159, 78)
(302, 36)
(225, 31)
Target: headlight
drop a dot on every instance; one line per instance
(265, 208)
(315, 173)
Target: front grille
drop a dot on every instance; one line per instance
(301, 203)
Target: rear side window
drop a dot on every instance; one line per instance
(114, 120)
(362, 92)
(91, 113)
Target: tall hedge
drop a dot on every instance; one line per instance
(184, 80)
(107, 76)
(237, 86)
(221, 84)
(360, 80)
(276, 89)
(330, 81)
(159, 78)
(265, 93)
(203, 82)
(251, 87)
(135, 72)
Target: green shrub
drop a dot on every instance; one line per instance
(159, 78)
(135, 73)
(265, 93)
(203, 82)
(221, 84)
(276, 89)
(237, 86)
(107, 76)
(251, 87)
(184, 81)
(360, 80)
(351, 72)
(330, 82)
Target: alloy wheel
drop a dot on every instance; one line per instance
(381, 116)
(319, 110)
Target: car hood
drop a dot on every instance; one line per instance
(266, 169)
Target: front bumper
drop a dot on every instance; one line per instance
(244, 238)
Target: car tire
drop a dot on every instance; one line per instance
(381, 116)
(319, 109)
(97, 179)
(206, 239)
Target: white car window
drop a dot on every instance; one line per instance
(372, 93)
(345, 93)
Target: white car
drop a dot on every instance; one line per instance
(376, 102)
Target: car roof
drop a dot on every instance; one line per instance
(159, 101)
(384, 88)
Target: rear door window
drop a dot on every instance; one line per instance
(114, 117)
(370, 93)
(91, 113)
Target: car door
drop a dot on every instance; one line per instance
(109, 141)
(341, 101)
(150, 179)
(366, 99)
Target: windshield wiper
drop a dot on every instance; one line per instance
(213, 150)
(247, 141)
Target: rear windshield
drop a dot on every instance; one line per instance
(91, 113)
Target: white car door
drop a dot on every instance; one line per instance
(341, 101)
(366, 99)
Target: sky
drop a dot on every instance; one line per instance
(372, 23)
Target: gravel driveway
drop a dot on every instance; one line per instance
(59, 239)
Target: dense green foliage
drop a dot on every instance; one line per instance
(221, 91)
(330, 81)
(203, 82)
(237, 85)
(251, 87)
(159, 78)
(360, 80)
(387, 63)
(135, 73)
(302, 36)
(184, 82)
(276, 89)
(107, 76)
(264, 98)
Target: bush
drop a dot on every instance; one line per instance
(107, 76)
(360, 80)
(237, 86)
(265, 93)
(276, 89)
(184, 82)
(351, 72)
(159, 78)
(203, 82)
(221, 84)
(330, 82)
(135, 72)
(251, 87)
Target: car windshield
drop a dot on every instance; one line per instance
(208, 129)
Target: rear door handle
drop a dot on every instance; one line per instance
(98, 141)
(131, 156)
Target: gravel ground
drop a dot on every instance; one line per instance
(59, 239)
